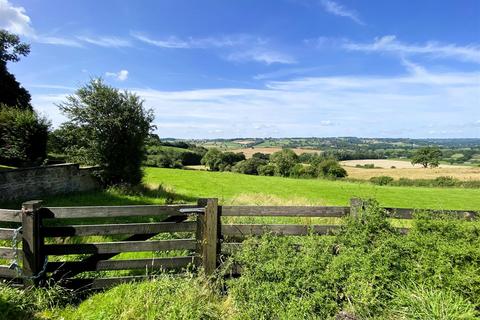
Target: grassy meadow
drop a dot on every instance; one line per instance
(245, 189)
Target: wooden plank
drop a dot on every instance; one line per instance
(99, 283)
(8, 215)
(285, 211)
(102, 265)
(118, 211)
(119, 246)
(61, 274)
(6, 234)
(6, 272)
(6, 253)
(244, 230)
(127, 228)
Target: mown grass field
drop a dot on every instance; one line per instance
(234, 188)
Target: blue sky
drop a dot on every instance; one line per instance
(265, 68)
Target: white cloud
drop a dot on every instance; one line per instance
(122, 75)
(261, 55)
(173, 42)
(14, 19)
(351, 105)
(106, 41)
(339, 10)
(241, 48)
(389, 43)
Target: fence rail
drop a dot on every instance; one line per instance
(199, 236)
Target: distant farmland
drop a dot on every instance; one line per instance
(250, 151)
(404, 169)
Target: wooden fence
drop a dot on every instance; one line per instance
(44, 253)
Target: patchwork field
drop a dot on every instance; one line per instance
(404, 169)
(269, 150)
(387, 164)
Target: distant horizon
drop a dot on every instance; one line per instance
(318, 137)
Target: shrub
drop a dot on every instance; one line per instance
(381, 180)
(249, 166)
(266, 170)
(359, 271)
(331, 169)
(23, 137)
(114, 125)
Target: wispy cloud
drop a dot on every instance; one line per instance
(106, 41)
(240, 48)
(121, 75)
(339, 10)
(390, 44)
(173, 42)
(262, 55)
(356, 105)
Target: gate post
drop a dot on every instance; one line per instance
(32, 242)
(207, 234)
(356, 205)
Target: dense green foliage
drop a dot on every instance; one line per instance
(368, 270)
(12, 94)
(217, 160)
(110, 128)
(23, 137)
(427, 157)
(284, 163)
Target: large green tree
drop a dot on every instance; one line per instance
(427, 156)
(12, 94)
(111, 127)
(284, 161)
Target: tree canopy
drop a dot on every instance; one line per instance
(111, 128)
(427, 156)
(12, 94)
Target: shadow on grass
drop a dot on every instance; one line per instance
(114, 196)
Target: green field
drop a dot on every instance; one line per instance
(231, 187)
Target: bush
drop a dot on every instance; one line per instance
(217, 160)
(23, 137)
(331, 169)
(359, 271)
(249, 166)
(114, 126)
(266, 170)
(381, 180)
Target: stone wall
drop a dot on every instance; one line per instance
(30, 183)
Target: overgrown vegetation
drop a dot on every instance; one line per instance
(368, 270)
(23, 137)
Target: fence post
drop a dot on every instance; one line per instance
(207, 234)
(32, 242)
(356, 205)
